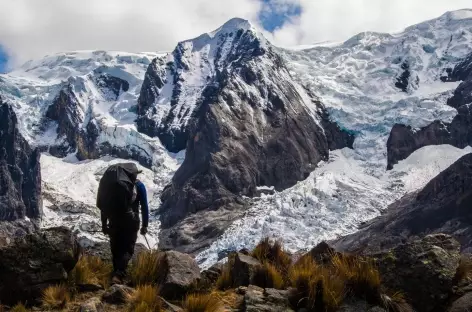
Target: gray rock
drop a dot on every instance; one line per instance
(257, 299)
(20, 177)
(181, 274)
(244, 269)
(424, 270)
(463, 304)
(359, 306)
(46, 258)
(91, 305)
(117, 294)
(169, 307)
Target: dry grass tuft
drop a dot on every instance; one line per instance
(225, 280)
(91, 270)
(361, 276)
(464, 270)
(203, 303)
(317, 288)
(267, 276)
(55, 297)
(396, 303)
(18, 308)
(147, 268)
(145, 299)
(274, 253)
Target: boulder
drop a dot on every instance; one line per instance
(423, 269)
(91, 305)
(169, 307)
(35, 261)
(359, 306)
(257, 299)
(463, 304)
(117, 294)
(243, 270)
(181, 275)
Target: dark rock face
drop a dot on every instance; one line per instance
(66, 111)
(33, 262)
(20, 177)
(403, 79)
(460, 72)
(442, 206)
(246, 131)
(404, 140)
(80, 130)
(110, 86)
(423, 269)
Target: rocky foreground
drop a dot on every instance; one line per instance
(54, 274)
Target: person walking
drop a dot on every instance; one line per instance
(120, 195)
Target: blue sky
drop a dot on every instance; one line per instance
(274, 14)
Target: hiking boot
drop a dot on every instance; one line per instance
(116, 280)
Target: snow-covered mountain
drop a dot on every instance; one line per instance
(253, 119)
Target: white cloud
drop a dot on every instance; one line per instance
(33, 28)
(338, 20)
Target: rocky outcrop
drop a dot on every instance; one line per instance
(111, 87)
(257, 299)
(66, 111)
(249, 127)
(20, 177)
(403, 80)
(431, 262)
(244, 269)
(404, 140)
(181, 274)
(33, 262)
(442, 206)
(117, 294)
(78, 131)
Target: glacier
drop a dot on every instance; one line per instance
(354, 79)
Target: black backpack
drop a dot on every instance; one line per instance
(116, 191)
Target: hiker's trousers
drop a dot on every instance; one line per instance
(123, 236)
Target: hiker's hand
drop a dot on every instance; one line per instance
(105, 229)
(143, 230)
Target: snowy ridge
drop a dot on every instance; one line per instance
(357, 80)
(192, 66)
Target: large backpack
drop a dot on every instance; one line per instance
(116, 191)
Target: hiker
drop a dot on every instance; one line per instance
(120, 194)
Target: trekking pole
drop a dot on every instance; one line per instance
(149, 246)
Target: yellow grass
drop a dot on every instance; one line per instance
(91, 270)
(18, 308)
(147, 268)
(274, 253)
(203, 303)
(225, 280)
(145, 298)
(55, 297)
(267, 276)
